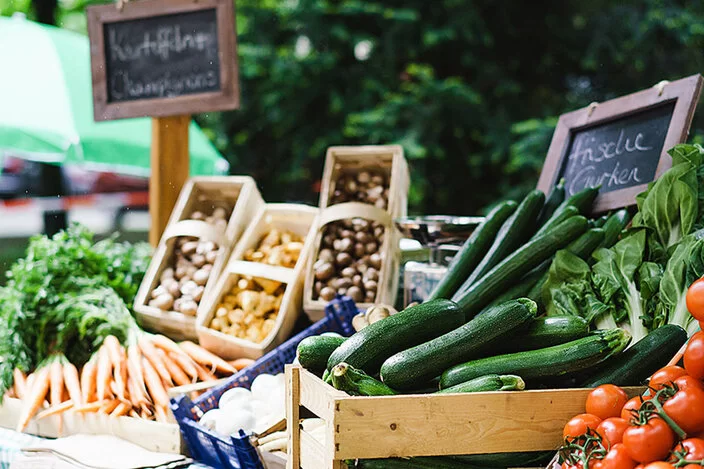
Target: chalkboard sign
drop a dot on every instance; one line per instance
(621, 145)
(161, 58)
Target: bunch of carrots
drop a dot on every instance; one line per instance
(118, 381)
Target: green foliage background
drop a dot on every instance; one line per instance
(470, 88)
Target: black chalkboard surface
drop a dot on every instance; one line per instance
(162, 56)
(616, 155)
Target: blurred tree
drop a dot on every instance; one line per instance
(471, 88)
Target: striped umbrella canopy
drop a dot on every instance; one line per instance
(46, 107)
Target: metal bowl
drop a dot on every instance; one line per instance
(432, 229)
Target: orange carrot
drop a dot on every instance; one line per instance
(205, 375)
(134, 368)
(166, 344)
(35, 397)
(20, 383)
(121, 409)
(72, 384)
(104, 373)
(134, 413)
(116, 353)
(56, 410)
(161, 414)
(88, 381)
(205, 358)
(179, 377)
(92, 407)
(56, 383)
(109, 406)
(156, 389)
(241, 363)
(186, 364)
(150, 353)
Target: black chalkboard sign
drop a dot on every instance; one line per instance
(163, 57)
(621, 145)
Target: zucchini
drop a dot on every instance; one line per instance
(636, 364)
(357, 383)
(518, 264)
(600, 222)
(556, 197)
(545, 332)
(488, 383)
(585, 245)
(503, 460)
(557, 360)
(418, 462)
(313, 352)
(514, 232)
(523, 288)
(541, 275)
(472, 251)
(582, 200)
(613, 227)
(415, 366)
(369, 348)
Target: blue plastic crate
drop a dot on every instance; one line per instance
(237, 452)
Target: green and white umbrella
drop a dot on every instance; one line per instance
(46, 107)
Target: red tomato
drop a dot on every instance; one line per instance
(686, 408)
(650, 442)
(611, 430)
(640, 466)
(693, 449)
(596, 463)
(606, 401)
(579, 424)
(695, 299)
(694, 356)
(618, 458)
(632, 405)
(660, 465)
(687, 382)
(666, 375)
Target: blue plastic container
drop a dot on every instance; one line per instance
(237, 453)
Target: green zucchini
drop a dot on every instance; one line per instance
(357, 383)
(313, 352)
(613, 227)
(415, 366)
(523, 288)
(503, 460)
(556, 197)
(557, 360)
(600, 222)
(557, 218)
(514, 232)
(583, 200)
(418, 462)
(516, 265)
(545, 332)
(488, 383)
(472, 251)
(369, 348)
(585, 245)
(637, 363)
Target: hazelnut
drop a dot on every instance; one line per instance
(362, 237)
(343, 283)
(370, 285)
(356, 294)
(343, 259)
(317, 287)
(357, 281)
(377, 179)
(350, 186)
(369, 297)
(342, 291)
(371, 248)
(349, 272)
(375, 260)
(359, 250)
(324, 271)
(327, 294)
(371, 274)
(326, 255)
(346, 245)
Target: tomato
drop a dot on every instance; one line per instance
(660, 465)
(606, 401)
(686, 408)
(649, 442)
(579, 424)
(686, 382)
(666, 375)
(695, 299)
(694, 356)
(611, 430)
(596, 463)
(632, 405)
(693, 449)
(578, 465)
(618, 458)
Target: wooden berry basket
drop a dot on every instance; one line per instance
(423, 425)
(300, 219)
(389, 160)
(241, 193)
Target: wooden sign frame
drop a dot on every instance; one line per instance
(227, 98)
(684, 93)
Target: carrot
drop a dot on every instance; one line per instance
(56, 410)
(179, 377)
(88, 381)
(134, 413)
(134, 371)
(56, 383)
(72, 384)
(103, 374)
(204, 375)
(161, 414)
(156, 389)
(109, 406)
(117, 353)
(35, 397)
(166, 344)
(205, 358)
(241, 363)
(150, 353)
(121, 409)
(186, 364)
(92, 407)
(20, 383)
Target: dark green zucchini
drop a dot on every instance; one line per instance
(585, 245)
(523, 288)
(637, 363)
(545, 332)
(487, 383)
(557, 218)
(357, 383)
(415, 366)
(369, 348)
(472, 251)
(313, 352)
(503, 460)
(556, 197)
(613, 227)
(583, 200)
(558, 360)
(516, 265)
(419, 462)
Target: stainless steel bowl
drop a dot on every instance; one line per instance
(432, 229)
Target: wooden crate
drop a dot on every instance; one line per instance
(423, 425)
(242, 194)
(154, 436)
(302, 220)
(388, 159)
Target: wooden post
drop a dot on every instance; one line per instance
(169, 170)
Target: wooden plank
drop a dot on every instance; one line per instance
(318, 397)
(293, 426)
(169, 170)
(430, 425)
